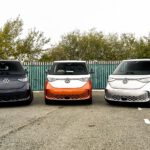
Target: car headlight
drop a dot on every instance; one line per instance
(25, 79)
(111, 79)
(144, 80)
(51, 79)
(84, 79)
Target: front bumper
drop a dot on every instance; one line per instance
(16, 95)
(119, 95)
(83, 93)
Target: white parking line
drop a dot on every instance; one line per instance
(139, 108)
(147, 121)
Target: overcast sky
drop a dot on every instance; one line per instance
(58, 17)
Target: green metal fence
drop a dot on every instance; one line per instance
(102, 69)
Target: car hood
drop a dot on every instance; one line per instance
(127, 81)
(8, 83)
(74, 81)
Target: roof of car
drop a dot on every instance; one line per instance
(9, 61)
(137, 60)
(69, 61)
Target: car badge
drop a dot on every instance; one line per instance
(67, 81)
(6, 81)
(125, 81)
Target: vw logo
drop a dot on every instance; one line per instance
(125, 81)
(67, 81)
(6, 81)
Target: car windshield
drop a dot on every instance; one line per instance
(133, 68)
(10, 68)
(69, 69)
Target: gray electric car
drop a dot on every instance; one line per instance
(14, 85)
(130, 82)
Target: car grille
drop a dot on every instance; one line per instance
(127, 98)
(68, 97)
(13, 96)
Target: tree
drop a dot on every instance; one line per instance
(24, 49)
(31, 47)
(143, 47)
(9, 36)
(93, 45)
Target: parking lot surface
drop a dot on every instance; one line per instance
(74, 126)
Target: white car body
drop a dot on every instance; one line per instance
(129, 87)
(75, 81)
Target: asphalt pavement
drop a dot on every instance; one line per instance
(74, 126)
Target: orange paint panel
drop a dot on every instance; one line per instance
(84, 92)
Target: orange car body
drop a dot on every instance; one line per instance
(74, 84)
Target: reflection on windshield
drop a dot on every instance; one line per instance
(133, 68)
(10, 68)
(68, 69)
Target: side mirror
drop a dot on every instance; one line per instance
(26, 71)
(47, 71)
(91, 71)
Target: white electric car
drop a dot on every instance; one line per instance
(130, 82)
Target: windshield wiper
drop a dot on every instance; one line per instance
(129, 72)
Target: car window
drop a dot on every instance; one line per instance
(133, 68)
(69, 69)
(7, 67)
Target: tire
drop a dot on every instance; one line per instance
(89, 101)
(47, 102)
(110, 102)
(28, 102)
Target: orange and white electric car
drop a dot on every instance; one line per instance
(68, 80)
